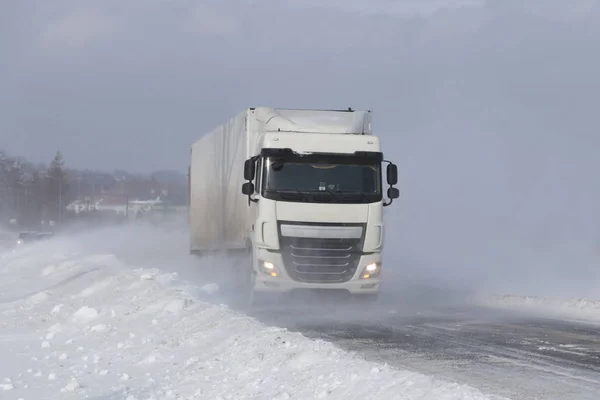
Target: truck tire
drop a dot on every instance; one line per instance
(248, 298)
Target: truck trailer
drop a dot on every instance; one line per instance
(299, 193)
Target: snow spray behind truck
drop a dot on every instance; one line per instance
(300, 192)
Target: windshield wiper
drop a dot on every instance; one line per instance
(289, 192)
(333, 195)
(357, 193)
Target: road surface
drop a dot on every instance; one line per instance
(517, 356)
(437, 332)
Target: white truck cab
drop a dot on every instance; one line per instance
(317, 210)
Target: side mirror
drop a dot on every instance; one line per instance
(393, 193)
(392, 174)
(248, 188)
(249, 169)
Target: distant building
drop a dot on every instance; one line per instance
(118, 205)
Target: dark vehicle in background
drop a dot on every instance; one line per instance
(28, 237)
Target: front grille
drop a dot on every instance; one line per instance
(320, 260)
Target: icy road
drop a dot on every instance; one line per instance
(517, 356)
(79, 322)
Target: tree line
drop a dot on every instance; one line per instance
(33, 195)
(30, 194)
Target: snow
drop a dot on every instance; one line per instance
(76, 325)
(575, 309)
(85, 314)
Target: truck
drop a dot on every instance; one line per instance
(299, 194)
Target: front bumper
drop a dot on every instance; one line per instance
(283, 283)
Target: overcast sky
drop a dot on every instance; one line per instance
(490, 108)
(130, 84)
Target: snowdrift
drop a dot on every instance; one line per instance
(573, 309)
(76, 325)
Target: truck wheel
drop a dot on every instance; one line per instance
(249, 277)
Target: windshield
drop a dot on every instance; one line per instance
(343, 179)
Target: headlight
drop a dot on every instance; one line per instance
(371, 271)
(268, 268)
(19, 241)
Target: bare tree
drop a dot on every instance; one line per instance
(32, 202)
(16, 178)
(56, 185)
(4, 186)
(11, 186)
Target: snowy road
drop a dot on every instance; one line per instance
(438, 332)
(77, 325)
(520, 357)
(81, 321)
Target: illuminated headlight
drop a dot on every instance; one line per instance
(19, 241)
(268, 268)
(371, 271)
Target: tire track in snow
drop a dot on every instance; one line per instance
(518, 357)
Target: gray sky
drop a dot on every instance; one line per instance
(130, 84)
(490, 108)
